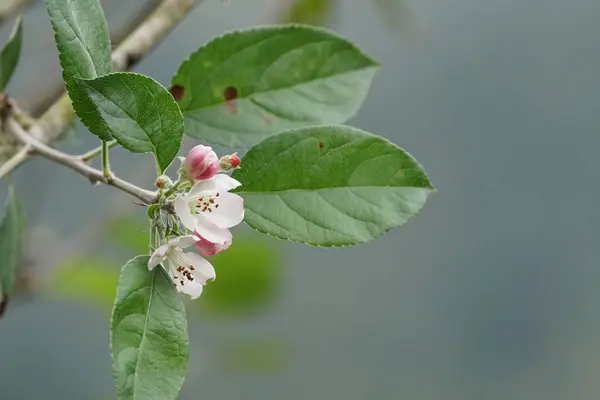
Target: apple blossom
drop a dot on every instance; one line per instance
(209, 209)
(189, 271)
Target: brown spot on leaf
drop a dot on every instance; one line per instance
(321, 145)
(177, 91)
(230, 93)
(267, 120)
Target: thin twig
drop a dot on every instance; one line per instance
(96, 152)
(145, 38)
(104, 152)
(93, 174)
(10, 7)
(15, 161)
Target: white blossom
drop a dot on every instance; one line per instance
(209, 209)
(189, 271)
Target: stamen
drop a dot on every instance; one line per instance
(205, 204)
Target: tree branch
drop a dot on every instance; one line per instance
(11, 7)
(144, 39)
(93, 174)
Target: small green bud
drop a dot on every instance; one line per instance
(163, 182)
(230, 162)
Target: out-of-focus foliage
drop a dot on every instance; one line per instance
(313, 12)
(87, 279)
(131, 232)
(247, 273)
(253, 355)
(247, 276)
(395, 14)
(12, 227)
(9, 56)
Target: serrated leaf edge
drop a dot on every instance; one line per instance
(430, 188)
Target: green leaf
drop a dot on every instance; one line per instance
(81, 36)
(9, 57)
(134, 109)
(12, 227)
(149, 339)
(247, 85)
(330, 186)
(83, 44)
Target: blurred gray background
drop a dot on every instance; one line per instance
(489, 294)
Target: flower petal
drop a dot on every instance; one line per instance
(203, 188)
(158, 256)
(226, 182)
(203, 270)
(208, 249)
(211, 232)
(182, 209)
(191, 288)
(184, 241)
(229, 213)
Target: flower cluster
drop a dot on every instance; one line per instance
(206, 210)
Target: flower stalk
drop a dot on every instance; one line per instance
(105, 162)
(96, 152)
(174, 188)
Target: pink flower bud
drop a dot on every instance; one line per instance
(201, 163)
(230, 162)
(208, 249)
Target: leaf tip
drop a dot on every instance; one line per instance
(18, 25)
